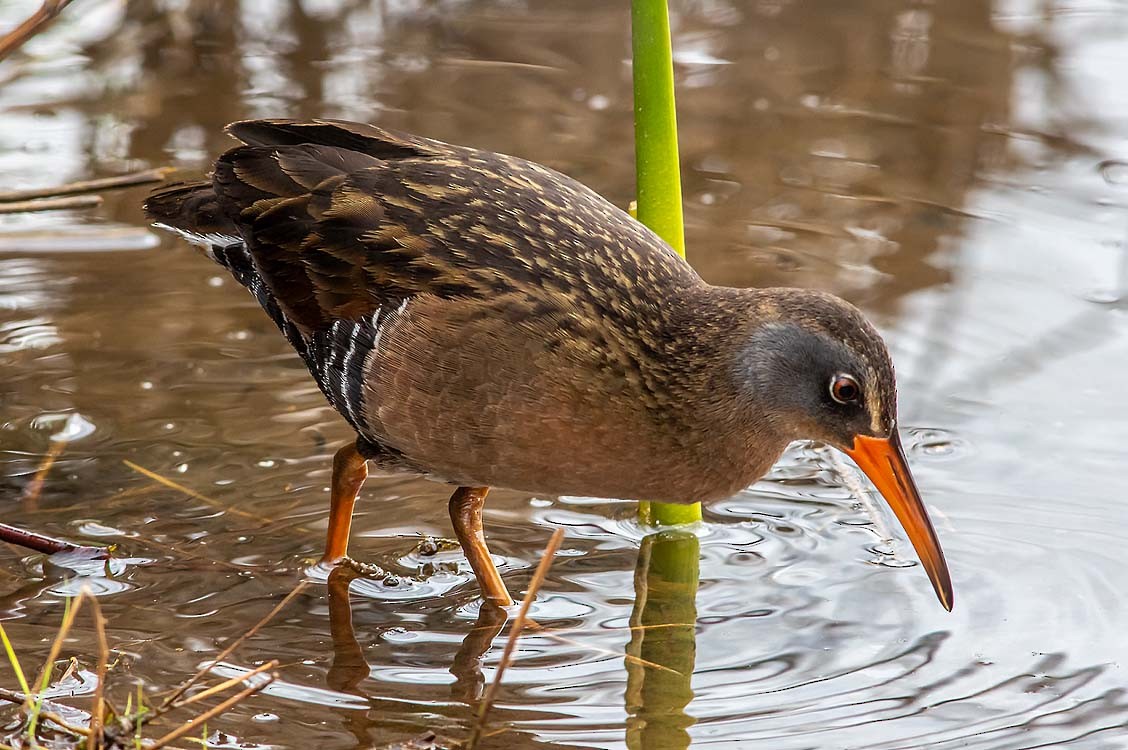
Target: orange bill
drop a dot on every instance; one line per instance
(883, 461)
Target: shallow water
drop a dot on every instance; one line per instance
(938, 164)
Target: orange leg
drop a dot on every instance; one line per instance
(350, 469)
(466, 517)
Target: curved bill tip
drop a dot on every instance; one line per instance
(883, 461)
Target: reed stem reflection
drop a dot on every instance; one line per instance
(663, 631)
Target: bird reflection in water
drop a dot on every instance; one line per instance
(349, 667)
(659, 656)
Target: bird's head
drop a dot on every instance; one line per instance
(818, 370)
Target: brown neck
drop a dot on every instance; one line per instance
(713, 418)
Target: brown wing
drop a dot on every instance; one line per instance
(342, 219)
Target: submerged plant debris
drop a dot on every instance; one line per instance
(43, 717)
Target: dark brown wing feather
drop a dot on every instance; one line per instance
(342, 134)
(343, 218)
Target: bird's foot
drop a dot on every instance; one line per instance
(346, 569)
(367, 570)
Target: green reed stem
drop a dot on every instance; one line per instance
(657, 168)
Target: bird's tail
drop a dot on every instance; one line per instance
(192, 210)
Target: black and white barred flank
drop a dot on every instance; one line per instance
(336, 356)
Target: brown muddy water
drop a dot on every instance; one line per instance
(939, 164)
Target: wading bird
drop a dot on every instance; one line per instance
(485, 321)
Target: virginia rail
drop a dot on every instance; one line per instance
(483, 320)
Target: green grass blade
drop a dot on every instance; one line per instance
(15, 662)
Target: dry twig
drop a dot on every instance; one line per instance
(12, 696)
(94, 733)
(199, 496)
(87, 186)
(51, 204)
(34, 24)
(225, 684)
(44, 675)
(97, 715)
(35, 486)
(169, 701)
(629, 658)
(514, 633)
(194, 722)
(62, 723)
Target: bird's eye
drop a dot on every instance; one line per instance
(844, 389)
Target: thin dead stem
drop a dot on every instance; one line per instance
(34, 24)
(181, 488)
(514, 633)
(98, 712)
(103, 711)
(192, 723)
(87, 186)
(12, 696)
(57, 644)
(54, 718)
(51, 204)
(169, 701)
(198, 496)
(272, 664)
(35, 486)
(605, 651)
(555, 635)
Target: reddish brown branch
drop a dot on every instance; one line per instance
(35, 23)
(48, 545)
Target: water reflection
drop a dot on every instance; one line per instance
(663, 634)
(937, 163)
